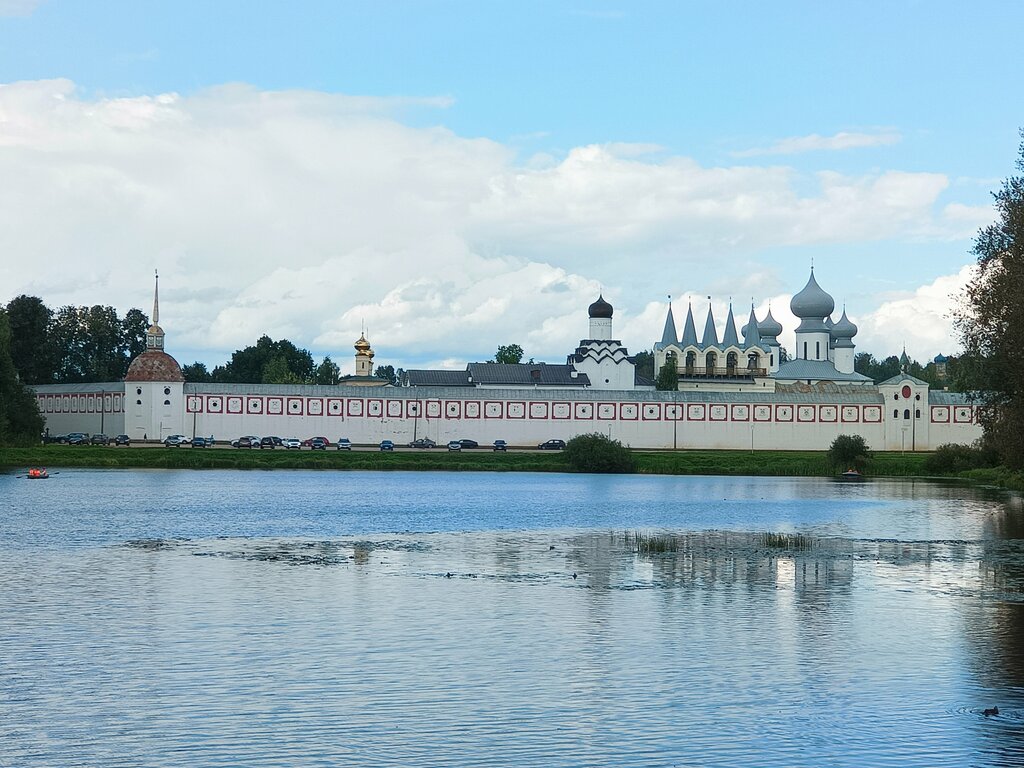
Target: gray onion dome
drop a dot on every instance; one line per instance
(844, 329)
(812, 303)
(769, 327)
(600, 308)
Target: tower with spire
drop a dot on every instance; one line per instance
(603, 359)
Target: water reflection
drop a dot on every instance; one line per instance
(789, 624)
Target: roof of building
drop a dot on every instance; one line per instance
(526, 374)
(730, 338)
(769, 328)
(812, 302)
(154, 365)
(710, 337)
(438, 378)
(668, 336)
(816, 370)
(689, 338)
(900, 377)
(942, 397)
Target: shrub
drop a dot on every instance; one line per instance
(952, 458)
(847, 452)
(597, 453)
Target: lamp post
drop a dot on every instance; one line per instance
(103, 409)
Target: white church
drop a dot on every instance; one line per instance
(731, 394)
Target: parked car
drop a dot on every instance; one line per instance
(122, 440)
(500, 445)
(99, 439)
(552, 445)
(246, 441)
(270, 442)
(308, 442)
(469, 443)
(387, 445)
(318, 443)
(291, 442)
(175, 441)
(423, 442)
(455, 445)
(56, 439)
(77, 438)
(200, 442)
(344, 444)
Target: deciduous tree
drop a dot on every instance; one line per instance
(508, 353)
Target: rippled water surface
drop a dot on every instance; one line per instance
(393, 619)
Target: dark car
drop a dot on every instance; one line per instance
(423, 442)
(552, 445)
(99, 439)
(387, 445)
(175, 441)
(500, 445)
(318, 444)
(455, 445)
(246, 441)
(469, 443)
(271, 442)
(77, 438)
(200, 442)
(122, 440)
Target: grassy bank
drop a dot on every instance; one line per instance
(765, 463)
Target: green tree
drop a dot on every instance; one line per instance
(644, 362)
(277, 371)
(668, 375)
(31, 346)
(598, 453)
(508, 353)
(990, 321)
(847, 452)
(133, 333)
(327, 372)
(196, 372)
(249, 365)
(20, 421)
(387, 372)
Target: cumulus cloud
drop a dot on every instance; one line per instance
(308, 215)
(18, 7)
(796, 145)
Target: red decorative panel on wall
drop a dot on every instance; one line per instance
(471, 409)
(315, 406)
(740, 413)
(829, 413)
(872, 413)
(275, 406)
(294, 406)
(561, 410)
(493, 410)
(674, 412)
(717, 412)
(394, 409)
(696, 412)
(194, 404)
(940, 414)
(374, 408)
(606, 411)
(783, 412)
(254, 404)
(584, 411)
(651, 412)
(762, 413)
(214, 404)
(538, 411)
(355, 406)
(433, 409)
(413, 409)
(90, 404)
(850, 413)
(962, 414)
(515, 409)
(234, 405)
(335, 406)
(453, 409)
(629, 411)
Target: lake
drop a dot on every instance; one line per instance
(228, 618)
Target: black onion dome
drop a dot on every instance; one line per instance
(600, 308)
(812, 302)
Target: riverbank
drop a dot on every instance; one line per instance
(761, 463)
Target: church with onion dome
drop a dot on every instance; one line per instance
(736, 389)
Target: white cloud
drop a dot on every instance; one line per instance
(305, 215)
(922, 320)
(795, 145)
(18, 7)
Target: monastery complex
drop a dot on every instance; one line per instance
(734, 391)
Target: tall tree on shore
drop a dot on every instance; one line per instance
(668, 375)
(990, 320)
(20, 422)
(31, 346)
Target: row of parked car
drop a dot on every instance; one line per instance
(84, 438)
(344, 444)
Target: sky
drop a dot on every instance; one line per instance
(457, 175)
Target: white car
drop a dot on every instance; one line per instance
(292, 442)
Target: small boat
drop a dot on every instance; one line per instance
(851, 474)
(37, 473)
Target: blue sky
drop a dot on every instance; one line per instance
(638, 148)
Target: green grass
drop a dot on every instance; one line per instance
(796, 463)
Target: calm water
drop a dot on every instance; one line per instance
(396, 619)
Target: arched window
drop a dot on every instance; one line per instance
(917, 413)
(710, 361)
(731, 361)
(691, 361)
(906, 413)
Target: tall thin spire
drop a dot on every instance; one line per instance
(710, 338)
(156, 297)
(668, 336)
(730, 339)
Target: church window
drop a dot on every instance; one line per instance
(817, 350)
(167, 402)
(167, 390)
(895, 396)
(805, 350)
(906, 413)
(138, 390)
(917, 397)
(895, 413)
(917, 413)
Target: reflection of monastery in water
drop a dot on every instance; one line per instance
(734, 391)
